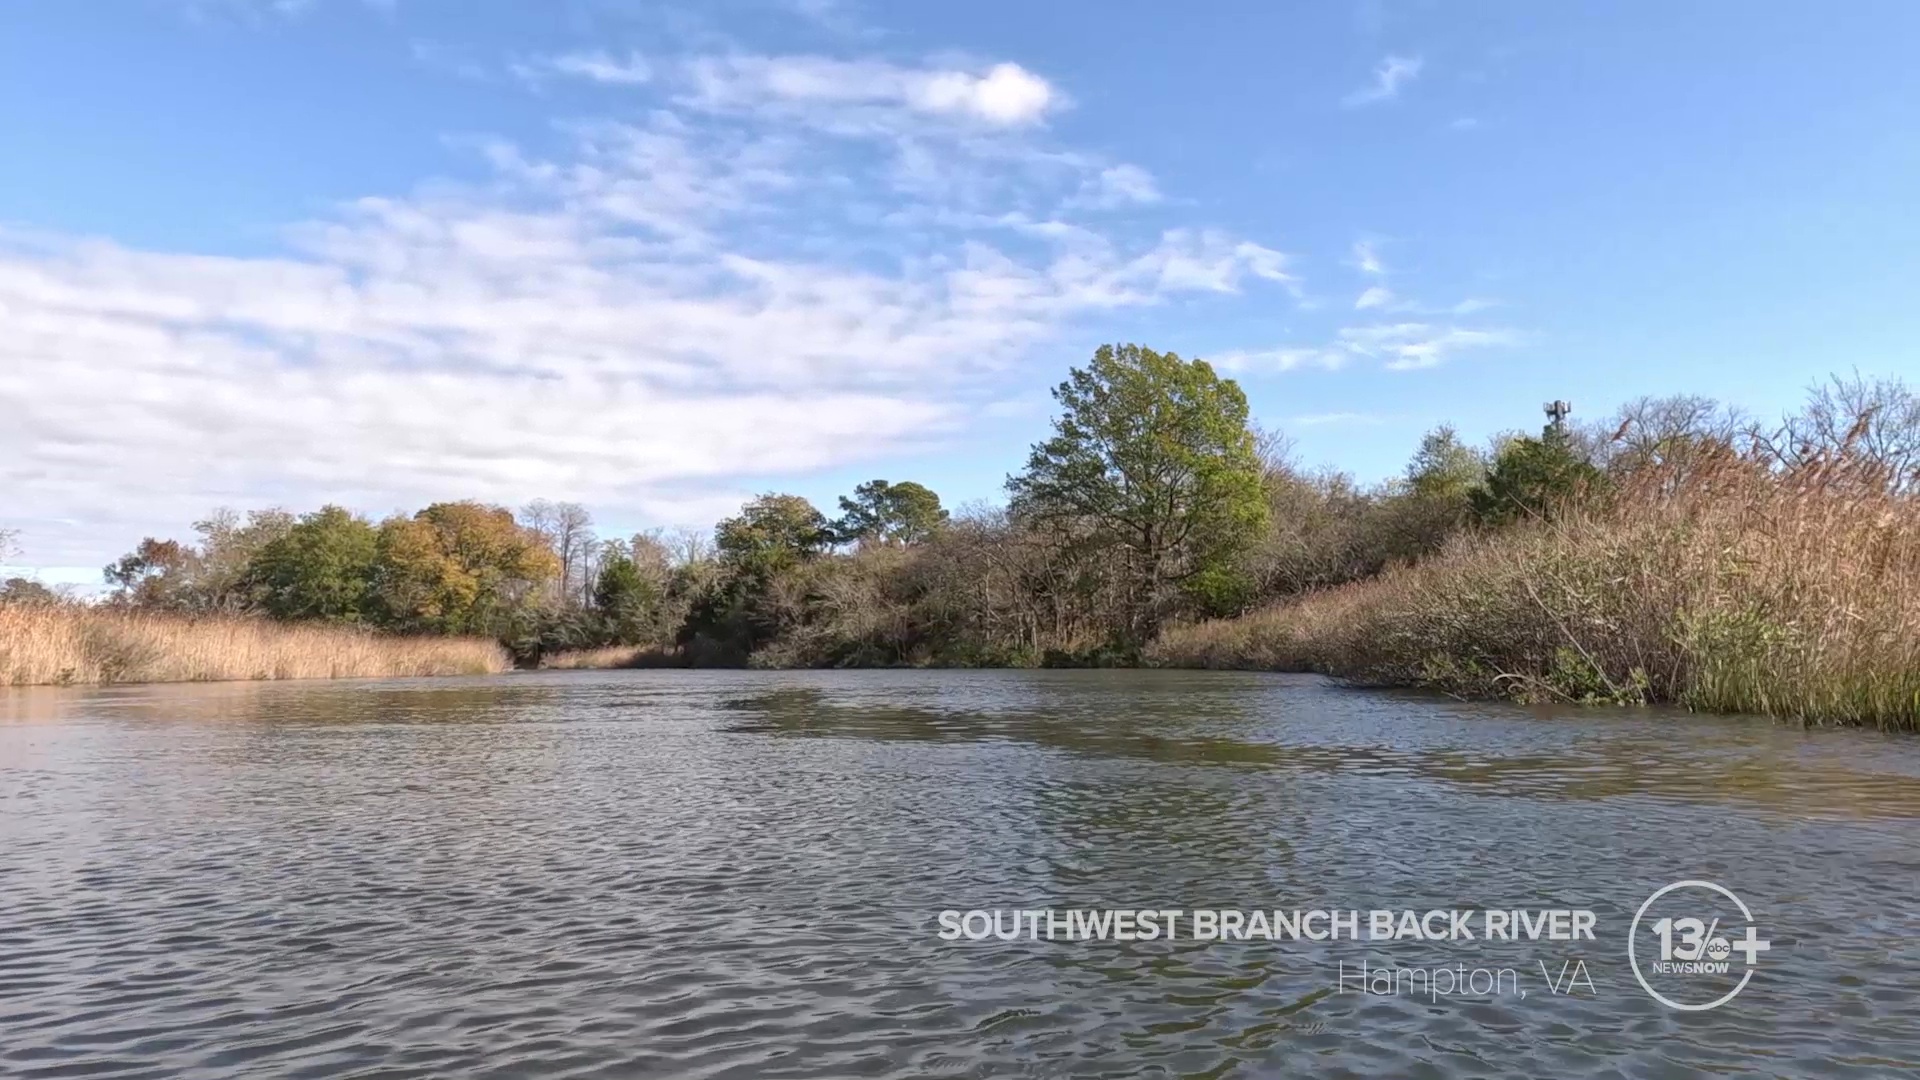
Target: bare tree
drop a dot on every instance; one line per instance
(687, 546)
(1672, 436)
(654, 552)
(229, 543)
(567, 528)
(591, 551)
(1876, 422)
(1276, 449)
(9, 543)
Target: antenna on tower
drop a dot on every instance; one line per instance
(1556, 413)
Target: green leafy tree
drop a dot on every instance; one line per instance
(627, 599)
(903, 513)
(1445, 467)
(1533, 478)
(771, 534)
(1414, 518)
(323, 567)
(1152, 457)
(764, 553)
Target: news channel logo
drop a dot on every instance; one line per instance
(1694, 945)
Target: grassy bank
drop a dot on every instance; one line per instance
(61, 644)
(1724, 587)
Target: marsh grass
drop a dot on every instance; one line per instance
(57, 644)
(613, 656)
(1727, 586)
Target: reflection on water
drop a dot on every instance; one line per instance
(1660, 753)
(737, 874)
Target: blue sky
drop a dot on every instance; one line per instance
(655, 258)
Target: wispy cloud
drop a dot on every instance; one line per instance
(1003, 94)
(1381, 298)
(1117, 186)
(1366, 260)
(1264, 361)
(1396, 346)
(1393, 73)
(597, 66)
(254, 10)
(1411, 345)
(1324, 419)
(1428, 340)
(660, 310)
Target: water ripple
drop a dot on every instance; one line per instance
(737, 875)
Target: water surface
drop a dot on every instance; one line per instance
(697, 874)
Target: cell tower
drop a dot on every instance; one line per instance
(1557, 413)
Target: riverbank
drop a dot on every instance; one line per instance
(1713, 582)
(1741, 593)
(53, 645)
(1717, 585)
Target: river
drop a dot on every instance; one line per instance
(740, 874)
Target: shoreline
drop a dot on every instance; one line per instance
(1583, 705)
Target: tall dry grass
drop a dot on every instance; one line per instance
(1727, 586)
(612, 656)
(56, 644)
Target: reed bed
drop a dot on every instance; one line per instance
(612, 656)
(1727, 587)
(58, 644)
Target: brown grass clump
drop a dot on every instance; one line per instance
(1735, 588)
(58, 644)
(612, 656)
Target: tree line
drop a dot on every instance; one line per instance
(1155, 499)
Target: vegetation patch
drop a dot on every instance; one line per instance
(1677, 552)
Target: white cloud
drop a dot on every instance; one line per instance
(697, 508)
(1323, 419)
(646, 322)
(1397, 346)
(254, 10)
(1366, 260)
(1407, 346)
(1393, 73)
(1007, 94)
(1261, 361)
(597, 66)
(1376, 296)
(1211, 261)
(1381, 298)
(1003, 95)
(1117, 186)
